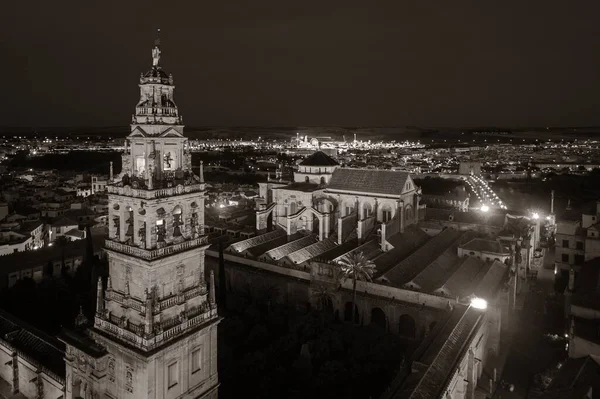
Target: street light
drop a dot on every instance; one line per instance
(536, 215)
(479, 303)
(485, 208)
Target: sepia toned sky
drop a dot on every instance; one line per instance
(327, 62)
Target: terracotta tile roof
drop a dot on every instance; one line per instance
(243, 245)
(369, 249)
(368, 181)
(483, 245)
(339, 251)
(311, 251)
(434, 275)
(410, 267)
(319, 158)
(293, 246)
(460, 284)
(304, 187)
(33, 344)
(64, 221)
(404, 244)
(442, 361)
(266, 246)
(492, 280)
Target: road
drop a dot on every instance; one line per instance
(484, 193)
(529, 352)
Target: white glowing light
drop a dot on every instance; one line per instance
(485, 208)
(536, 215)
(479, 303)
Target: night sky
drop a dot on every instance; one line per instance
(309, 63)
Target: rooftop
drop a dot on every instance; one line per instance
(416, 262)
(445, 215)
(30, 259)
(33, 344)
(319, 158)
(574, 379)
(305, 187)
(368, 181)
(483, 245)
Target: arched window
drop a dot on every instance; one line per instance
(177, 221)
(386, 213)
(407, 326)
(378, 318)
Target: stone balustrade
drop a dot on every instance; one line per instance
(151, 254)
(157, 193)
(163, 332)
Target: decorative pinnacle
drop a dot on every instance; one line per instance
(201, 171)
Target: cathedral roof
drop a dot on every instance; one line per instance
(368, 181)
(319, 158)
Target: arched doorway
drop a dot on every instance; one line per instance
(270, 221)
(406, 326)
(348, 312)
(315, 224)
(378, 318)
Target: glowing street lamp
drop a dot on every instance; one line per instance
(479, 303)
(536, 215)
(485, 208)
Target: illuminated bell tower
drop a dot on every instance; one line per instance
(156, 318)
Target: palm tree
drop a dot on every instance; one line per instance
(357, 267)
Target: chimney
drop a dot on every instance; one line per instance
(99, 298)
(211, 294)
(201, 172)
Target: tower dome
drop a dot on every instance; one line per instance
(156, 106)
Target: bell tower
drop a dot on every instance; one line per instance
(155, 330)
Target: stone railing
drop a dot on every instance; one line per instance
(163, 332)
(123, 300)
(150, 254)
(157, 193)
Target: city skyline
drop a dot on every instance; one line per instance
(248, 65)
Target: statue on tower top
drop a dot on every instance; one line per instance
(156, 51)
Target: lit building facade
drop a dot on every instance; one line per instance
(155, 328)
